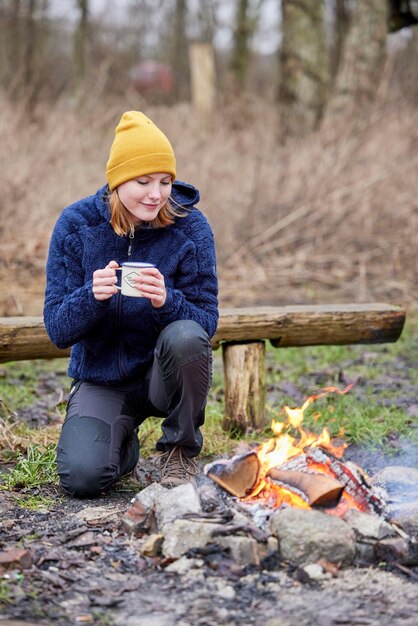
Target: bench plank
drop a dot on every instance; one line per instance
(300, 325)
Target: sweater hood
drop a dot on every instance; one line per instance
(182, 193)
(185, 194)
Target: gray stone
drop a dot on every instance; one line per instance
(366, 525)
(401, 483)
(314, 571)
(183, 565)
(365, 554)
(240, 518)
(140, 518)
(173, 504)
(306, 536)
(244, 550)
(396, 550)
(149, 496)
(406, 516)
(182, 535)
(209, 496)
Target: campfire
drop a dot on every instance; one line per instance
(295, 500)
(302, 471)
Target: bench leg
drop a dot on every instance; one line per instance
(245, 385)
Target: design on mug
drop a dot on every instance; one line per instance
(129, 278)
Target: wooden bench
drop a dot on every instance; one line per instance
(242, 334)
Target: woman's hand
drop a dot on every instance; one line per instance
(104, 282)
(151, 285)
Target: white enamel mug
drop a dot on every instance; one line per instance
(129, 271)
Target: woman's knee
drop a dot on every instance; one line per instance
(83, 481)
(83, 457)
(181, 342)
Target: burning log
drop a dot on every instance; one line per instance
(356, 486)
(239, 476)
(242, 475)
(317, 476)
(319, 489)
(352, 476)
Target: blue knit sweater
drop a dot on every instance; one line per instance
(113, 340)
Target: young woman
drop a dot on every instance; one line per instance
(133, 357)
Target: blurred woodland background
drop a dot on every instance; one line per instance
(296, 119)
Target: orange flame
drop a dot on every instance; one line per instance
(282, 447)
(279, 449)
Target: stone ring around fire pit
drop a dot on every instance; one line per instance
(192, 520)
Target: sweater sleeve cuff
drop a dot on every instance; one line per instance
(168, 312)
(95, 306)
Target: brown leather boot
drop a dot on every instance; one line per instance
(175, 468)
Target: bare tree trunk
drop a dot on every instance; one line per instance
(80, 43)
(16, 39)
(304, 65)
(414, 68)
(180, 51)
(206, 21)
(363, 57)
(30, 41)
(203, 81)
(340, 31)
(241, 52)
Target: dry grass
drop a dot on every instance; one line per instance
(332, 217)
(16, 437)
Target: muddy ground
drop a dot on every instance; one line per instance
(81, 568)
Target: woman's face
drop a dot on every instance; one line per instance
(145, 196)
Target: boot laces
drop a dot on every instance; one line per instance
(173, 464)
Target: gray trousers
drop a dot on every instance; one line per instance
(99, 442)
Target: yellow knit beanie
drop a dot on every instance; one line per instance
(139, 148)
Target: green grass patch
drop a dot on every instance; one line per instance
(358, 422)
(149, 433)
(216, 441)
(6, 597)
(19, 381)
(17, 389)
(36, 468)
(34, 502)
